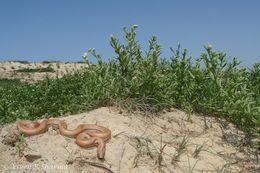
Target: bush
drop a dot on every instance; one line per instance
(5, 83)
(34, 70)
(23, 62)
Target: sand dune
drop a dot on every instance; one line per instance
(164, 143)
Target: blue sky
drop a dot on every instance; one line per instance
(64, 29)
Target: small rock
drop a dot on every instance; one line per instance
(53, 130)
(69, 161)
(31, 157)
(172, 109)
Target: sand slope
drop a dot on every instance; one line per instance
(138, 144)
(8, 70)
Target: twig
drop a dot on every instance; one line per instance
(119, 134)
(121, 156)
(95, 164)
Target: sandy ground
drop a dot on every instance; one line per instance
(148, 144)
(8, 70)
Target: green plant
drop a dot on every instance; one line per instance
(49, 62)
(20, 144)
(197, 150)
(33, 70)
(143, 148)
(7, 83)
(23, 62)
(181, 148)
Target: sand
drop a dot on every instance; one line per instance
(148, 144)
(8, 70)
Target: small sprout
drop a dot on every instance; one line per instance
(197, 151)
(20, 145)
(135, 26)
(91, 50)
(181, 148)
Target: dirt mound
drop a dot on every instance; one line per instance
(167, 143)
(10, 70)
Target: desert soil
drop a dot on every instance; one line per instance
(148, 144)
(8, 70)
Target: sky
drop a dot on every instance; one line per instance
(64, 29)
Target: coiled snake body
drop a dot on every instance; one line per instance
(87, 135)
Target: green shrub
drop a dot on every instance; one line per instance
(34, 70)
(22, 62)
(49, 62)
(7, 83)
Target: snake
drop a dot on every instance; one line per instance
(86, 135)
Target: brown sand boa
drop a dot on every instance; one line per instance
(87, 135)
